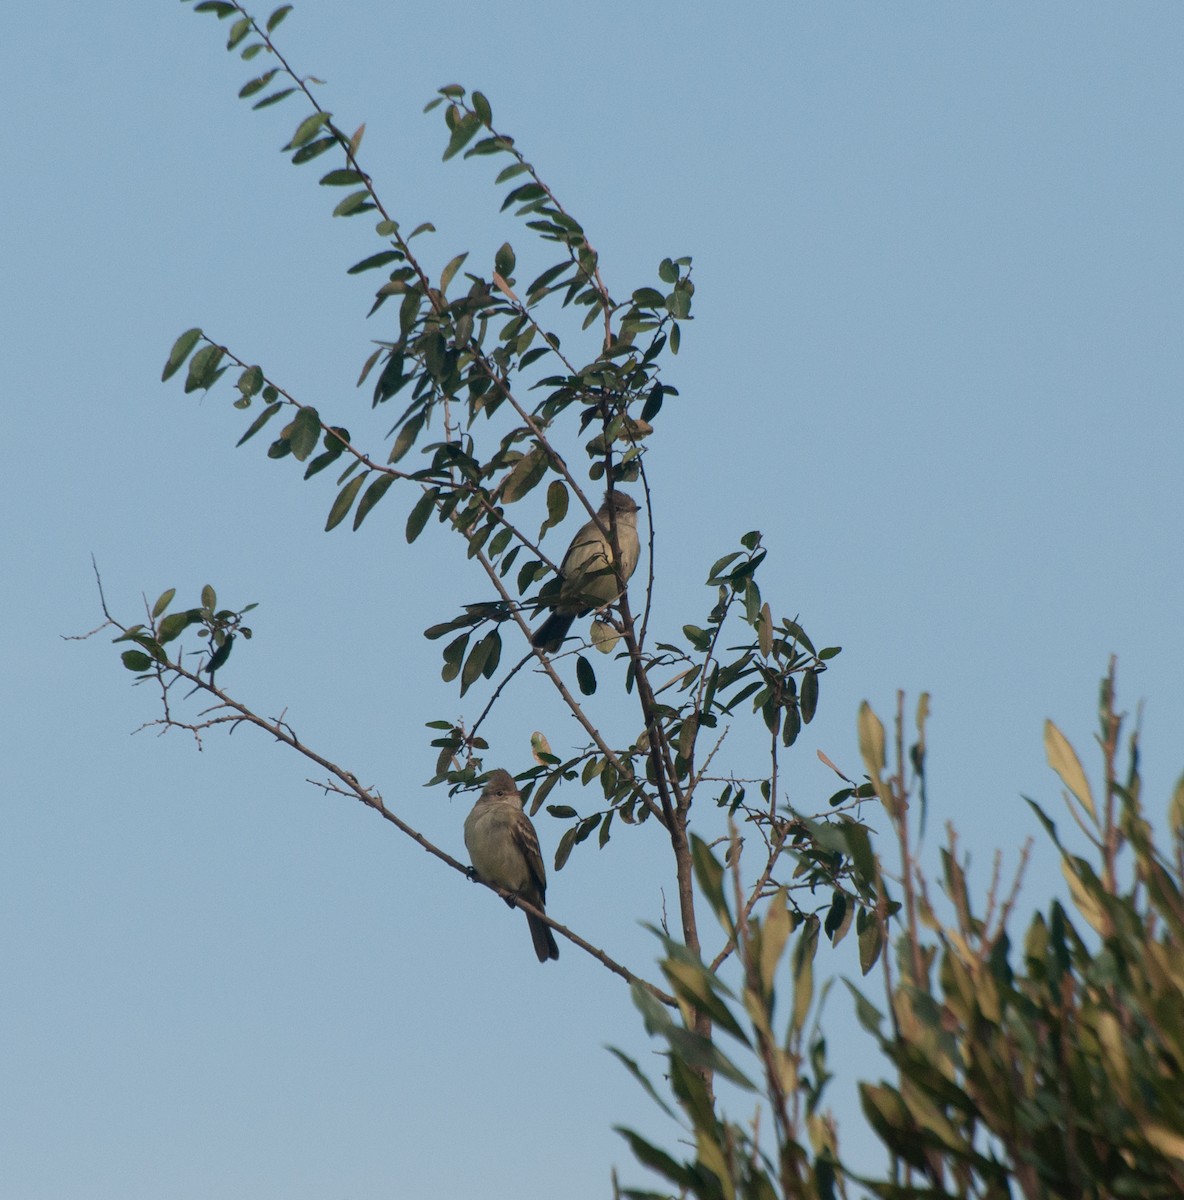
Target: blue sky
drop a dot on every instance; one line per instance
(936, 359)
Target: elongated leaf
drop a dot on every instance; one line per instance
(274, 98)
(371, 497)
(808, 699)
(1064, 761)
(307, 130)
(180, 352)
(354, 203)
(420, 513)
(585, 676)
(446, 276)
(259, 422)
(163, 601)
(344, 501)
(524, 475)
(336, 441)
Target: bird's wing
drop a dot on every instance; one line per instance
(528, 842)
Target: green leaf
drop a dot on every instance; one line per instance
(524, 475)
(209, 597)
(180, 352)
(482, 109)
(504, 260)
(557, 503)
(203, 369)
(176, 623)
(475, 664)
(307, 130)
(336, 441)
(354, 203)
(238, 31)
(277, 16)
(162, 602)
(510, 171)
(462, 134)
(648, 297)
(304, 433)
(585, 676)
(274, 98)
(136, 660)
(407, 436)
(342, 177)
(870, 937)
(373, 494)
(375, 260)
(453, 655)
(420, 513)
(260, 421)
(250, 382)
(548, 276)
(566, 845)
(446, 276)
(345, 499)
(808, 698)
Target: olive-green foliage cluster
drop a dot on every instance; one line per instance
(1049, 1071)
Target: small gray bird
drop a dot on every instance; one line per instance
(504, 850)
(588, 580)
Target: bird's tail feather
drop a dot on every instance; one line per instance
(543, 938)
(550, 634)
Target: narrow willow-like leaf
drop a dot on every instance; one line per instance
(259, 422)
(274, 98)
(344, 501)
(566, 844)
(375, 260)
(420, 513)
(371, 497)
(1064, 761)
(446, 276)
